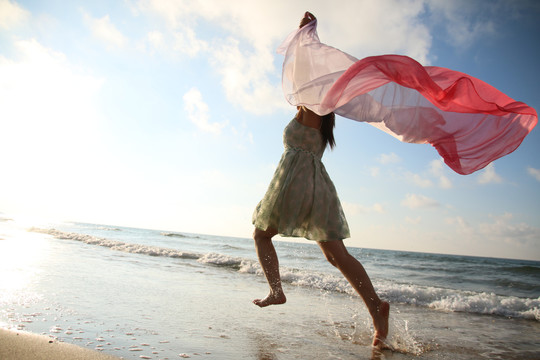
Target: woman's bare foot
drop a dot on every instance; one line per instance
(271, 299)
(381, 325)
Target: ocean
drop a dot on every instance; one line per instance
(151, 294)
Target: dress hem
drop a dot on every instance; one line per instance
(303, 237)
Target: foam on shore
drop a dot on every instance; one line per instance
(433, 297)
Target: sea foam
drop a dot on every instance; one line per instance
(433, 297)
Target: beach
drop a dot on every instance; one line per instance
(16, 345)
(137, 293)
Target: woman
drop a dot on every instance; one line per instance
(302, 201)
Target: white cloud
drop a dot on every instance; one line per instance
(380, 27)
(489, 176)
(12, 15)
(444, 182)
(237, 17)
(501, 229)
(186, 41)
(465, 21)
(419, 180)
(353, 209)
(245, 78)
(104, 30)
(535, 173)
(241, 52)
(241, 48)
(463, 227)
(174, 43)
(198, 112)
(414, 201)
(437, 169)
(156, 40)
(391, 158)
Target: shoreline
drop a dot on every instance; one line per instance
(135, 305)
(22, 345)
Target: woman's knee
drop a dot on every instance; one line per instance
(262, 235)
(334, 251)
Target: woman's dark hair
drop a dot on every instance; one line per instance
(327, 130)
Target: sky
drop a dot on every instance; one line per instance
(168, 114)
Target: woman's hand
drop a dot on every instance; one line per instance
(308, 17)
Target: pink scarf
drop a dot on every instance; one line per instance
(469, 122)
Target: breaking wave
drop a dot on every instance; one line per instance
(417, 295)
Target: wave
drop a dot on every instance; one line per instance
(106, 228)
(178, 235)
(462, 301)
(118, 245)
(432, 297)
(523, 270)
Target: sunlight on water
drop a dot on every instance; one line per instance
(20, 255)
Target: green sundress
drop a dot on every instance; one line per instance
(301, 200)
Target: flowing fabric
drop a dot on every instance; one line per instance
(469, 122)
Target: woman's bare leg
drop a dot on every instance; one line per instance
(270, 265)
(337, 254)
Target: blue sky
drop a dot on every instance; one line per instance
(168, 114)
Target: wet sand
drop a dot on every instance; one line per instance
(19, 345)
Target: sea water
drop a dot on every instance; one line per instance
(151, 294)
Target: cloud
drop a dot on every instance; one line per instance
(245, 78)
(379, 27)
(374, 171)
(104, 30)
(444, 182)
(501, 229)
(198, 112)
(153, 42)
(353, 209)
(241, 45)
(186, 41)
(414, 201)
(239, 50)
(489, 176)
(173, 43)
(12, 15)
(463, 227)
(391, 158)
(419, 180)
(465, 21)
(437, 169)
(535, 173)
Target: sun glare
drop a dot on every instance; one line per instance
(20, 255)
